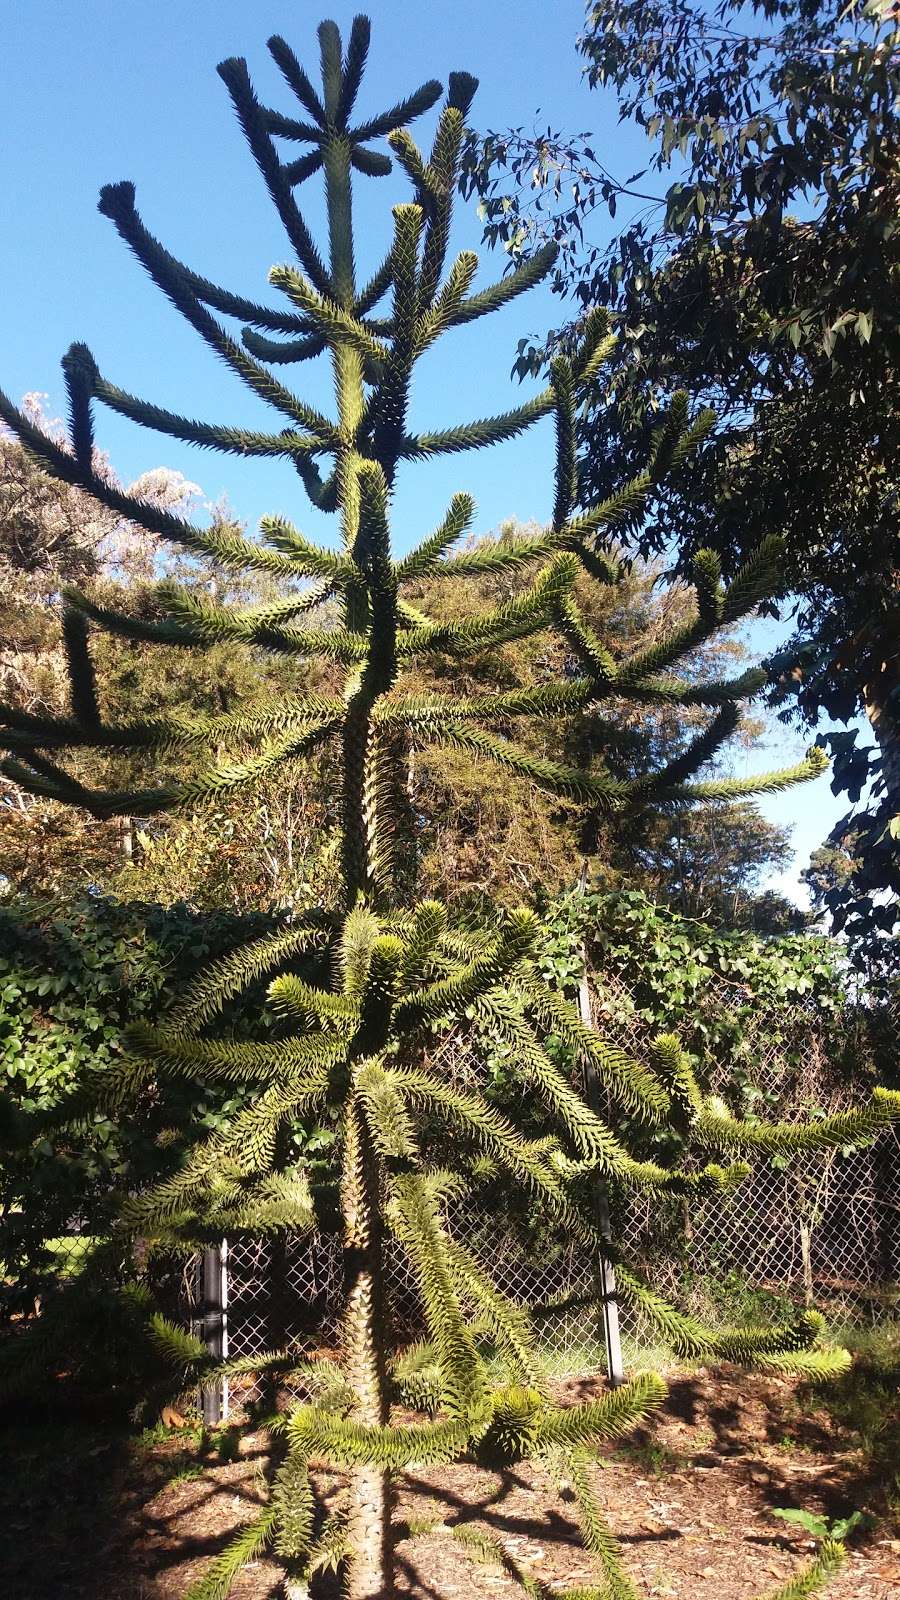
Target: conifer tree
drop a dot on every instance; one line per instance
(366, 984)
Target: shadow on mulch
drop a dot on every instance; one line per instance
(60, 1505)
(846, 1433)
(79, 1504)
(91, 1509)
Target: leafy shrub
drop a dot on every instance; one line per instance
(70, 979)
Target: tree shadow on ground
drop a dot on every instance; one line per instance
(78, 1504)
(91, 1509)
(838, 1443)
(60, 1504)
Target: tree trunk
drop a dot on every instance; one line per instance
(278, 1330)
(886, 729)
(606, 1275)
(368, 1528)
(368, 1576)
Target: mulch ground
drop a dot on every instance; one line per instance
(88, 1512)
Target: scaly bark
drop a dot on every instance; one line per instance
(364, 1345)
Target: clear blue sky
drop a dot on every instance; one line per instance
(99, 90)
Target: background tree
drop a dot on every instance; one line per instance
(363, 985)
(495, 835)
(492, 832)
(50, 534)
(710, 866)
(72, 977)
(763, 277)
(53, 534)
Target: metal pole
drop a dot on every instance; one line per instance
(605, 1272)
(223, 1301)
(215, 1399)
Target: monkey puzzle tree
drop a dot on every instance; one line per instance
(364, 985)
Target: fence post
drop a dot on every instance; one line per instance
(885, 1171)
(215, 1327)
(605, 1272)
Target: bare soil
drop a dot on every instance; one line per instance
(88, 1511)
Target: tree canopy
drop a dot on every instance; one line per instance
(495, 834)
(762, 274)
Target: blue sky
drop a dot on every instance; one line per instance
(100, 90)
(103, 91)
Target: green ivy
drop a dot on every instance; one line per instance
(676, 970)
(70, 980)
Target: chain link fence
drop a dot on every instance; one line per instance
(821, 1229)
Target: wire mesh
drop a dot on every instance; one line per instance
(819, 1228)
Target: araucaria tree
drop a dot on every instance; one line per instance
(365, 985)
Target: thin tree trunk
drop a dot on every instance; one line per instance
(886, 730)
(368, 1576)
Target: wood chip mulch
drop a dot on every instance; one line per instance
(87, 1514)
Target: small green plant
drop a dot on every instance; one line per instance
(228, 1444)
(184, 1470)
(837, 1529)
(730, 1296)
(651, 1456)
(161, 1433)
